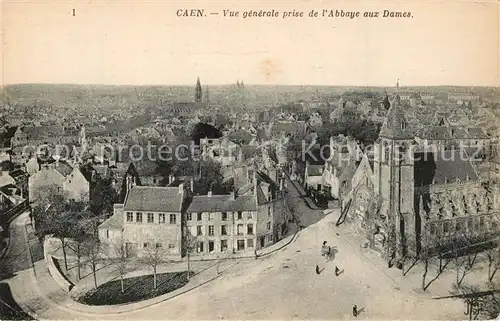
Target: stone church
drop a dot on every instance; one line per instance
(420, 194)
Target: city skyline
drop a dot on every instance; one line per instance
(94, 47)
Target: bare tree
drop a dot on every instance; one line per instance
(460, 263)
(153, 257)
(93, 250)
(492, 253)
(118, 259)
(191, 244)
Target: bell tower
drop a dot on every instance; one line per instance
(394, 179)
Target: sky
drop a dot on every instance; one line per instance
(145, 43)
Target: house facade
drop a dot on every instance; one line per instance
(150, 217)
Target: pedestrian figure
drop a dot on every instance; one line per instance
(324, 243)
(317, 269)
(355, 311)
(337, 271)
(256, 256)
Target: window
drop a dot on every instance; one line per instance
(269, 211)
(223, 230)
(150, 218)
(145, 245)
(223, 245)
(240, 229)
(199, 231)
(161, 217)
(107, 234)
(171, 246)
(240, 215)
(470, 226)
(240, 245)
(138, 217)
(250, 243)
(211, 216)
(250, 229)
(199, 216)
(200, 247)
(173, 218)
(211, 230)
(211, 246)
(189, 217)
(224, 216)
(268, 225)
(130, 217)
(481, 222)
(158, 245)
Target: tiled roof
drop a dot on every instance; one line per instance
(154, 199)
(449, 167)
(17, 172)
(222, 203)
(115, 222)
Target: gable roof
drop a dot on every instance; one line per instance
(154, 199)
(449, 167)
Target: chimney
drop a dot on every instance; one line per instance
(170, 178)
(192, 184)
(209, 193)
(233, 195)
(181, 188)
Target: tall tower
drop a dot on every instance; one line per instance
(394, 179)
(198, 91)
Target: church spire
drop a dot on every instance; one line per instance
(198, 92)
(395, 124)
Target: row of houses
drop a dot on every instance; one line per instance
(252, 217)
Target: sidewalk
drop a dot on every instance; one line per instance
(303, 194)
(412, 281)
(206, 271)
(65, 300)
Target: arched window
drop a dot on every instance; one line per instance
(403, 124)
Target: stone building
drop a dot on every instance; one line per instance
(251, 218)
(150, 217)
(421, 195)
(66, 178)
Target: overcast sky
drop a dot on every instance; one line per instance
(132, 42)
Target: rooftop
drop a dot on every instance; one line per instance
(222, 203)
(154, 199)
